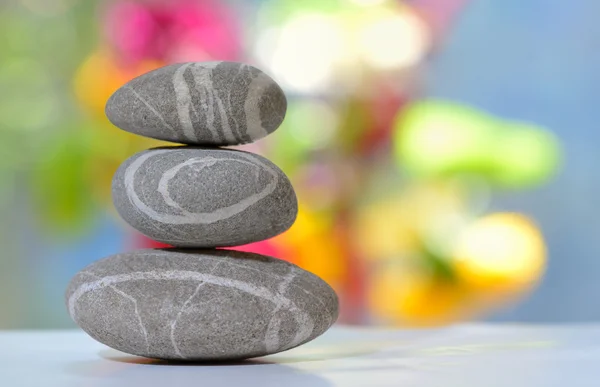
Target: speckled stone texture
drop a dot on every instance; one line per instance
(200, 305)
(204, 103)
(191, 197)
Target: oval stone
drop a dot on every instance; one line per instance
(200, 305)
(203, 103)
(192, 197)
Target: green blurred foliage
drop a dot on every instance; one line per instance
(60, 185)
(41, 126)
(439, 138)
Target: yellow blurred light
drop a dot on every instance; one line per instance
(99, 76)
(502, 252)
(329, 262)
(406, 298)
(315, 246)
(384, 230)
(398, 225)
(304, 53)
(392, 39)
(307, 225)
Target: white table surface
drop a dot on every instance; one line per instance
(459, 356)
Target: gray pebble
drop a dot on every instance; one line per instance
(204, 103)
(193, 197)
(200, 305)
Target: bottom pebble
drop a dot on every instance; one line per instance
(200, 305)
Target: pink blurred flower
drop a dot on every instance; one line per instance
(172, 31)
(262, 247)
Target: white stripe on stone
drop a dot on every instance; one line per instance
(147, 104)
(227, 132)
(163, 184)
(305, 324)
(191, 217)
(184, 101)
(272, 335)
(135, 307)
(256, 89)
(185, 305)
(202, 73)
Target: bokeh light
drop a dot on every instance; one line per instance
(314, 49)
(500, 254)
(526, 155)
(392, 38)
(436, 138)
(304, 52)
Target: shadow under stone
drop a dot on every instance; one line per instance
(114, 369)
(131, 359)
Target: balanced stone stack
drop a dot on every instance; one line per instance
(194, 301)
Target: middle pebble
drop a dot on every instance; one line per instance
(195, 197)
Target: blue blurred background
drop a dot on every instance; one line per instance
(443, 151)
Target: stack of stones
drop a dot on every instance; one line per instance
(193, 301)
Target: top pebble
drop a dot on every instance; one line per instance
(200, 103)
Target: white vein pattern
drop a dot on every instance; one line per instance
(227, 132)
(202, 73)
(304, 322)
(174, 322)
(135, 308)
(256, 89)
(202, 76)
(153, 110)
(168, 175)
(330, 316)
(245, 267)
(191, 217)
(184, 102)
(185, 305)
(272, 335)
(241, 131)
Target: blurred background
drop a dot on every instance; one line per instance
(444, 151)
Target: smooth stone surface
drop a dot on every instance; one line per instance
(192, 197)
(200, 305)
(204, 103)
